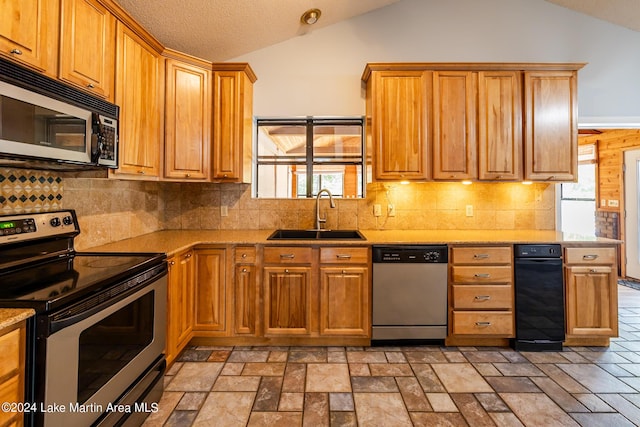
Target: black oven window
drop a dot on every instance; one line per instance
(107, 346)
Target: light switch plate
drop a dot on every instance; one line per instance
(224, 210)
(377, 210)
(469, 210)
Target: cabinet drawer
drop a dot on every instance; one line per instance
(479, 297)
(287, 255)
(245, 254)
(483, 323)
(481, 274)
(590, 255)
(481, 255)
(344, 255)
(10, 352)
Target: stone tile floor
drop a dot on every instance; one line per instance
(405, 386)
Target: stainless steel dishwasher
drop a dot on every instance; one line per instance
(409, 292)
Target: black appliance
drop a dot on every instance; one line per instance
(46, 124)
(98, 335)
(539, 295)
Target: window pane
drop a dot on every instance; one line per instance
(282, 142)
(337, 142)
(585, 188)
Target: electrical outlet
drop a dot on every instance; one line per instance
(224, 210)
(377, 210)
(391, 210)
(469, 210)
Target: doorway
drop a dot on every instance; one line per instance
(631, 186)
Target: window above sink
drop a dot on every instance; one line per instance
(291, 150)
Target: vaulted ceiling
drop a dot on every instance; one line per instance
(219, 30)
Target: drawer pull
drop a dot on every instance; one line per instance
(483, 323)
(286, 270)
(344, 272)
(90, 86)
(343, 256)
(244, 270)
(482, 275)
(589, 257)
(287, 256)
(243, 256)
(16, 51)
(483, 297)
(480, 256)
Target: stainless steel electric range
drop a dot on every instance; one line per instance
(95, 345)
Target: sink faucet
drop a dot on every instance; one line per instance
(319, 220)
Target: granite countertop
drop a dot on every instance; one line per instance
(11, 316)
(174, 241)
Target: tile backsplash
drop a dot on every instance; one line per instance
(24, 191)
(111, 210)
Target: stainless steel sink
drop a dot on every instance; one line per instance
(316, 235)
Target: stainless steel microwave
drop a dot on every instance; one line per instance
(45, 124)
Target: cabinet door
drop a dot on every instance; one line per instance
(245, 308)
(454, 125)
(400, 125)
(551, 129)
(139, 95)
(87, 46)
(592, 302)
(29, 33)
(180, 304)
(287, 300)
(210, 291)
(187, 121)
(344, 301)
(232, 126)
(500, 125)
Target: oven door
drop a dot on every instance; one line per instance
(91, 362)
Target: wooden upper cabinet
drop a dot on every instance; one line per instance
(454, 125)
(499, 125)
(187, 121)
(87, 46)
(29, 33)
(551, 125)
(397, 104)
(139, 93)
(232, 122)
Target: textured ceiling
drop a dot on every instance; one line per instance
(625, 13)
(218, 30)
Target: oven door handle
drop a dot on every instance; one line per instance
(63, 319)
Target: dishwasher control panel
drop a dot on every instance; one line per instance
(410, 254)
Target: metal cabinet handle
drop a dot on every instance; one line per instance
(90, 86)
(188, 255)
(344, 271)
(483, 323)
(286, 270)
(343, 256)
(172, 263)
(480, 256)
(244, 270)
(482, 275)
(243, 256)
(483, 297)
(589, 257)
(16, 51)
(287, 256)
(141, 172)
(188, 175)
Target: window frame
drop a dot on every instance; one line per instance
(309, 122)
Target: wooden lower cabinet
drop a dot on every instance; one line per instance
(180, 304)
(210, 292)
(591, 293)
(481, 295)
(246, 293)
(344, 301)
(12, 371)
(287, 300)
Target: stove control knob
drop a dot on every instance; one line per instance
(67, 220)
(55, 222)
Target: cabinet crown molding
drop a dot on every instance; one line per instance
(470, 66)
